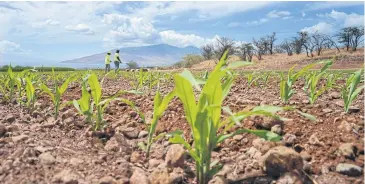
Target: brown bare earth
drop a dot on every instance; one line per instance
(36, 148)
(344, 60)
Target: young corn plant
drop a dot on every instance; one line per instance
(8, 86)
(266, 78)
(286, 83)
(159, 106)
(30, 92)
(313, 91)
(57, 92)
(204, 117)
(350, 91)
(95, 111)
(250, 79)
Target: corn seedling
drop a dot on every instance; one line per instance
(313, 91)
(159, 106)
(204, 117)
(251, 80)
(30, 92)
(350, 91)
(57, 92)
(286, 83)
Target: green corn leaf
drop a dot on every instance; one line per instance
(95, 88)
(308, 116)
(184, 91)
(268, 108)
(190, 77)
(48, 91)
(238, 64)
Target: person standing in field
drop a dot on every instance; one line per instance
(116, 60)
(107, 62)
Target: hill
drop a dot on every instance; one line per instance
(161, 55)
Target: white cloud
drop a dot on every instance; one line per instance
(322, 27)
(182, 40)
(303, 14)
(271, 15)
(331, 4)
(278, 14)
(203, 10)
(261, 21)
(80, 28)
(128, 31)
(48, 22)
(345, 19)
(10, 47)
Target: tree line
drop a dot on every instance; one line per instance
(309, 43)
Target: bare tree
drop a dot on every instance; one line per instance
(287, 46)
(270, 42)
(307, 43)
(320, 41)
(207, 51)
(297, 45)
(245, 51)
(222, 44)
(260, 47)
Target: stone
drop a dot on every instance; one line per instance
(340, 103)
(280, 160)
(130, 132)
(160, 177)
(68, 121)
(349, 169)
(218, 180)
(254, 153)
(305, 101)
(348, 150)
(346, 126)
(335, 95)
(142, 134)
(290, 178)
(133, 114)
(2, 130)
(330, 178)
(177, 175)
(238, 137)
(9, 118)
(19, 138)
(313, 140)
(139, 177)
(327, 110)
(267, 122)
(289, 139)
(107, 180)
(175, 156)
(46, 158)
(118, 143)
(152, 163)
(275, 103)
(262, 145)
(353, 109)
(135, 157)
(277, 129)
(66, 176)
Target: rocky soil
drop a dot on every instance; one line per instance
(37, 148)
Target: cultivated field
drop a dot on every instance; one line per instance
(225, 125)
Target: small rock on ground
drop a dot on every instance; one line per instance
(348, 169)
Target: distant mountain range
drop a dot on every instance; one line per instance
(154, 55)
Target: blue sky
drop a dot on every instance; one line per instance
(66, 30)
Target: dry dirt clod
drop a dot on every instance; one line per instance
(218, 180)
(277, 129)
(19, 138)
(313, 140)
(289, 139)
(135, 157)
(348, 169)
(354, 109)
(280, 160)
(46, 158)
(152, 163)
(66, 176)
(348, 150)
(9, 118)
(142, 134)
(139, 177)
(130, 132)
(107, 180)
(175, 156)
(118, 143)
(335, 95)
(327, 110)
(330, 178)
(346, 126)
